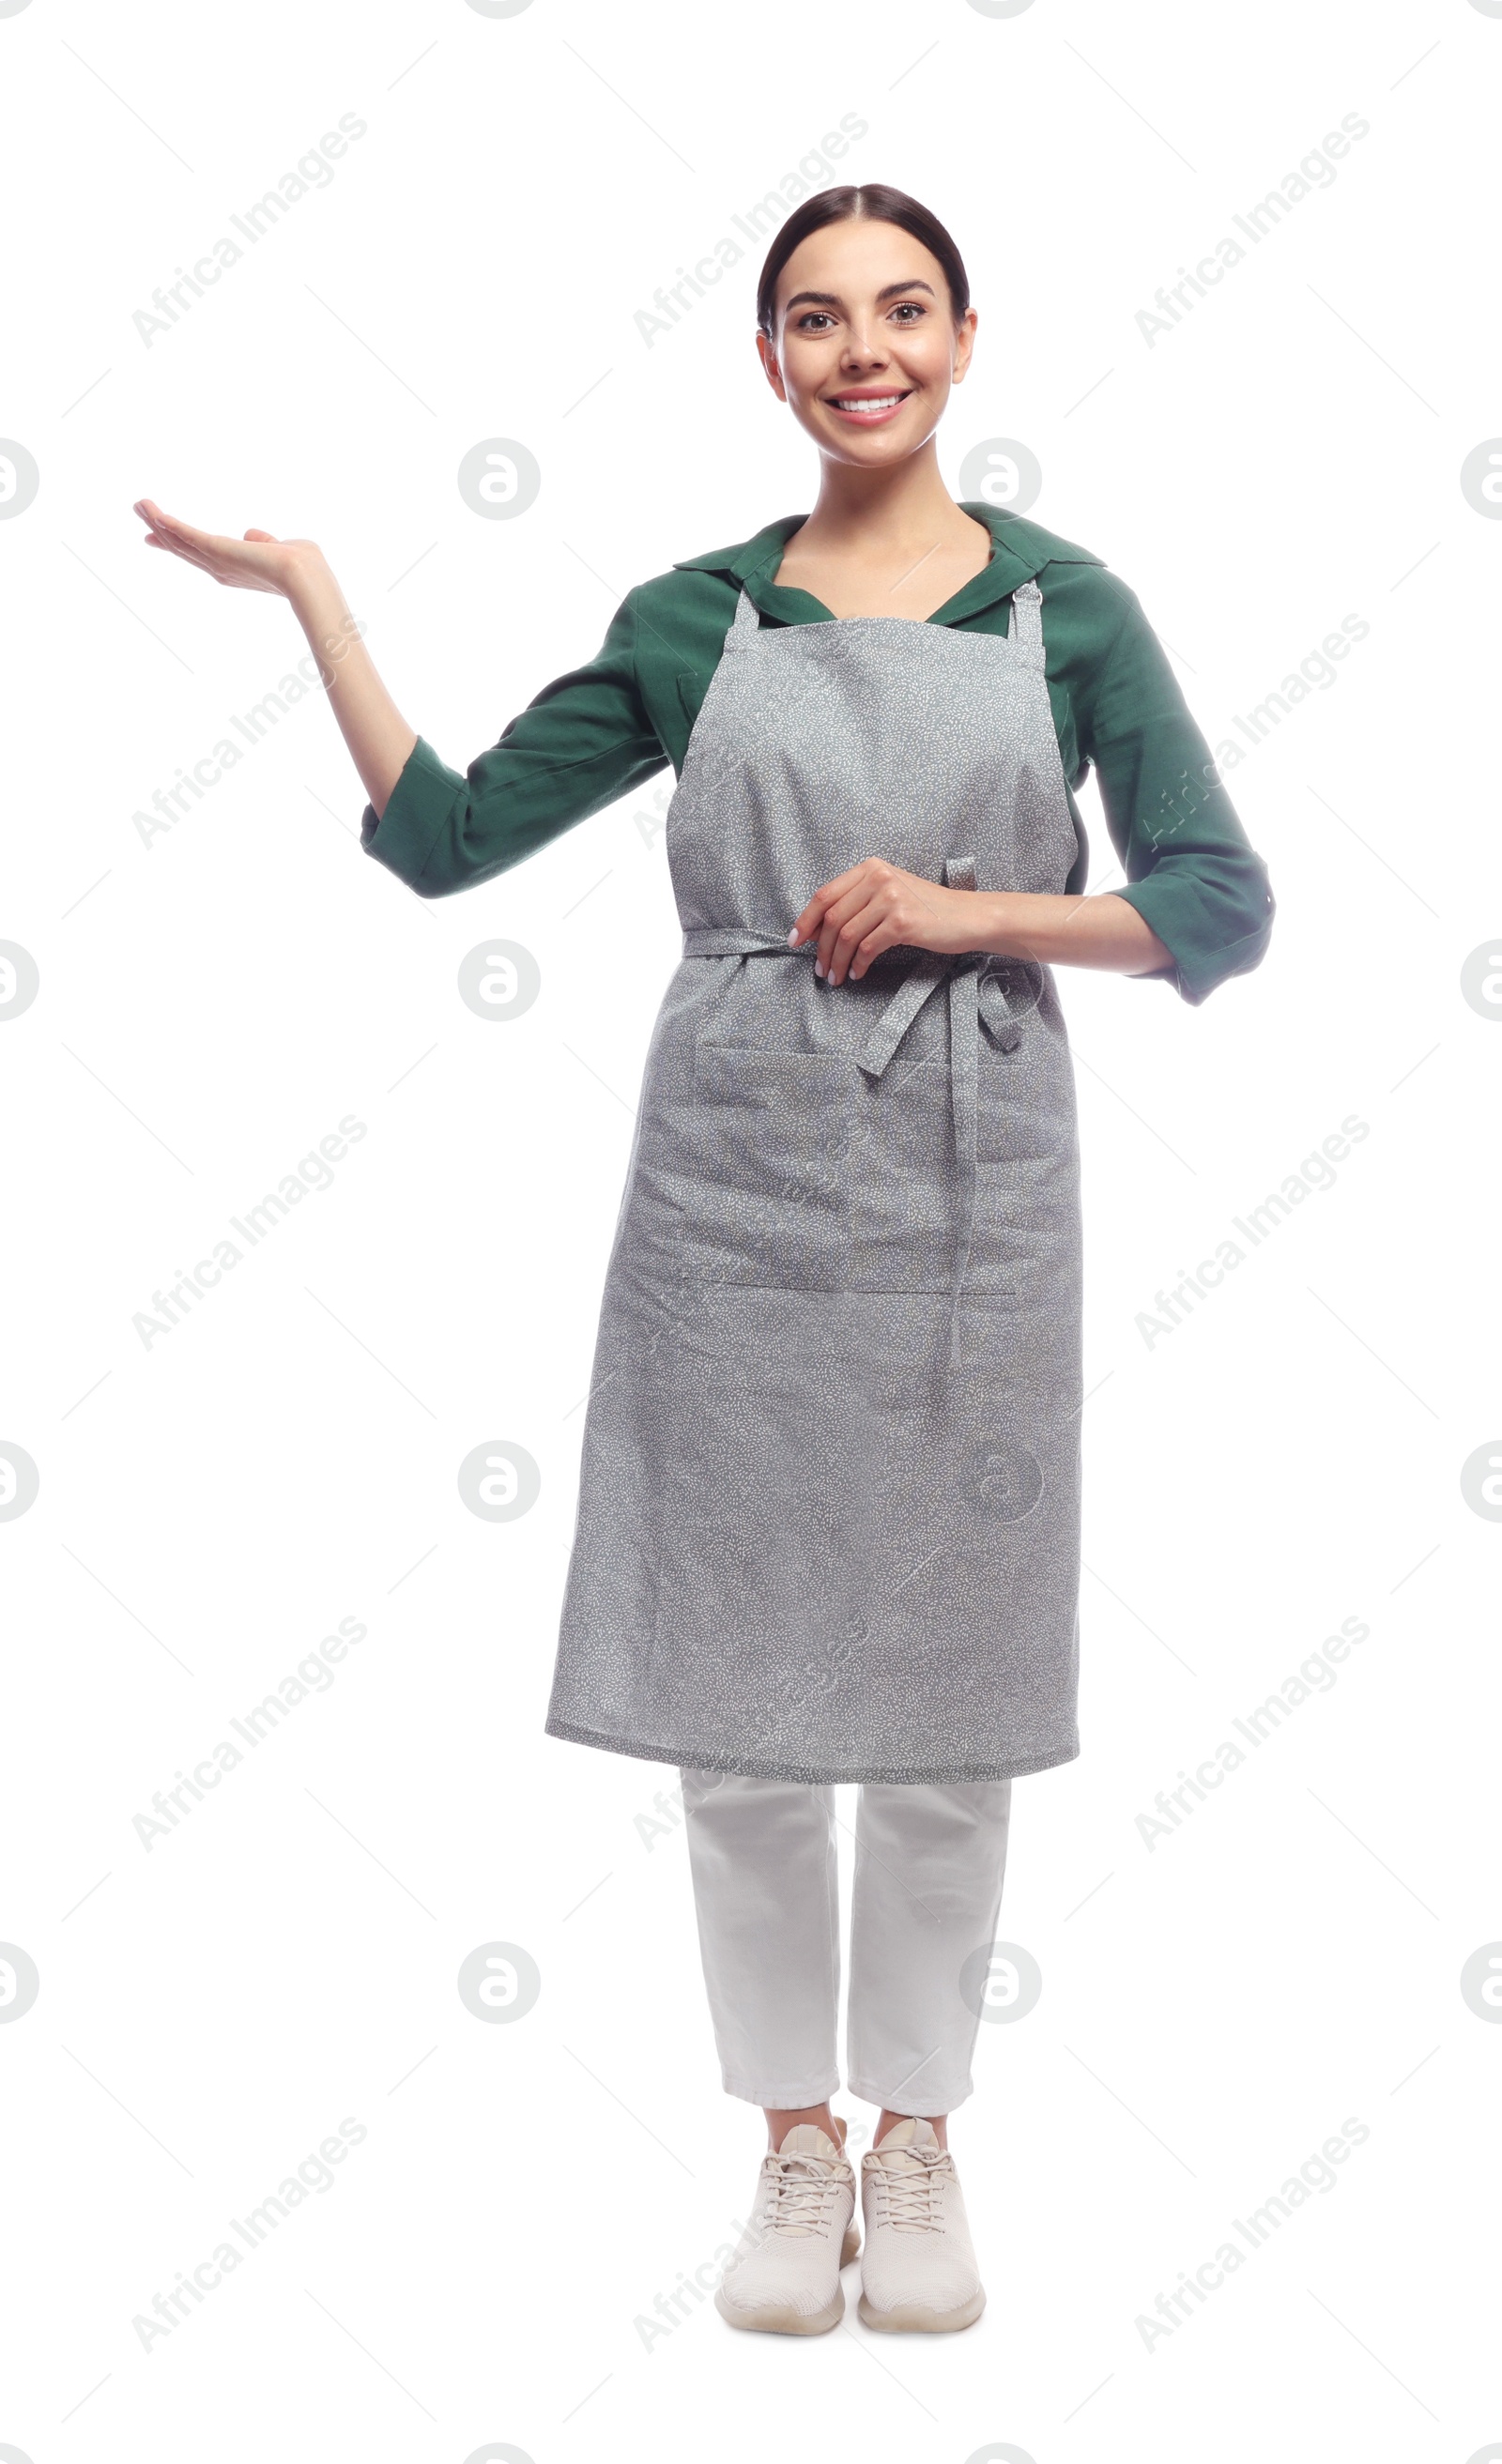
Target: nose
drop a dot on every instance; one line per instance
(862, 348)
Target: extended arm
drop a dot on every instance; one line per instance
(583, 740)
(379, 738)
(377, 735)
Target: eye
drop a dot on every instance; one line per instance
(811, 318)
(910, 311)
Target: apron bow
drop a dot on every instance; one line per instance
(979, 987)
(984, 991)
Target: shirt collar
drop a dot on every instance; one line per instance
(1019, 550)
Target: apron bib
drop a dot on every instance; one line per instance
(829, 1510)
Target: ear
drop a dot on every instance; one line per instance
(768, 358)
(965, 344)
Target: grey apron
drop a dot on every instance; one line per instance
(829, 1510)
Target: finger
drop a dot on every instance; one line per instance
(173, 547)
(205, 544)
(151, 513)
(178, 548)
(826, 924)
(262, 538)
(880, 936)
(170, 547)
(879, 916)
(864, 924)
(155, 521)
(181, 541)
(809, 922)
(830, 949)
(853, 903)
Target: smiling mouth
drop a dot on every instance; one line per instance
(869, 406)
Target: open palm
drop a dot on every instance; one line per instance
(258, 561)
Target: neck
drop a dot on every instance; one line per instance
(906, 506)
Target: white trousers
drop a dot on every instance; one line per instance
(929, 1863)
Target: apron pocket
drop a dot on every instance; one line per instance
(773, 1203)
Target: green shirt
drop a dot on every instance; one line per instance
(596, 734)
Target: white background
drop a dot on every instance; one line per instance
(211, 1005)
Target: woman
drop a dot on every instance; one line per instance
(828, 1514)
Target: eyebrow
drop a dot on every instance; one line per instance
(829, 299)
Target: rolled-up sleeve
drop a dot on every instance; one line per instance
(585, 741)
(1191, 870)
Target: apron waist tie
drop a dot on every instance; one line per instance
(977, 998)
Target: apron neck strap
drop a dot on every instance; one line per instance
(747, 623)
(1026, 627)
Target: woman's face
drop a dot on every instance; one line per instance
(865, 348)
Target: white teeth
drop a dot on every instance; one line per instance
(869, 402)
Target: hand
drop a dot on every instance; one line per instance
(259, 562)
(873, 907)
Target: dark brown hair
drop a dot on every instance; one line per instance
(873, 203)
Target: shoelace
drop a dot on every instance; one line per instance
(907, 2190)
(801, 2188)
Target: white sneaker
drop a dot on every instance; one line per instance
(784, 2274)
(918, 2272)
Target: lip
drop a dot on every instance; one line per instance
(857, 395)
